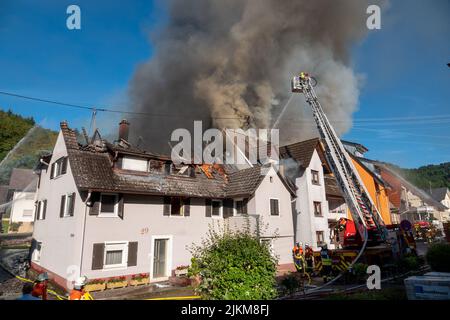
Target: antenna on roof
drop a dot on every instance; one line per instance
(85, 135)
(93, 126)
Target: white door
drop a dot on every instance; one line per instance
(161, 257)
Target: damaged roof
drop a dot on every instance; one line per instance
(331, 187)
(93, 170)
(301, 151)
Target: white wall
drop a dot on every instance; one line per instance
(22, 201)
(307, 193)
(61, 237)
(143, 220)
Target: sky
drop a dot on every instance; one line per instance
(404, 110)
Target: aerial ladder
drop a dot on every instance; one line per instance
(366, 217)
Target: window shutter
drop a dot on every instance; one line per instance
(227, 208)
(72, 205)
(62, 206)
(132, 254)
(166, 210)
(64, 165)
(187, 207)
(208, 208)
(37, 205)
(98, 253)
(95, 204)
(121, 206)
(44, 209)
(32, 248)
(52, 170)
(244, 206)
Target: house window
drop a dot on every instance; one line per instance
(216, 208)
(317, 209)
(67, 205)
(176, 206)
(135, 164)
(319, 238)
(116, 254)
(27, 213)
(41, 210)
(36, 255)
(109, 205)
(274, 207)
(315, 177)
(239, 207)
(59, 167)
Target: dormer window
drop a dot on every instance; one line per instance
(134, 164)
(59, 167)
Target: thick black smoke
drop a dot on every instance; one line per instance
(229, 63)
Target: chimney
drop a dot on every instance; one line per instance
(123, 130)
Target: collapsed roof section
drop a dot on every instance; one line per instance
(95, 168)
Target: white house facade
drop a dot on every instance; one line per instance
(107, 210)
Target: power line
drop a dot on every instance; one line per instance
(434, 119)
(95, 109)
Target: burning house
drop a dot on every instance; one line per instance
(106, 209)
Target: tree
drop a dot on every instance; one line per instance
(234, 265)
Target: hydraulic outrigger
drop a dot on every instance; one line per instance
(366, 217)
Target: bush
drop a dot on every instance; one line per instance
(409, 263)
(359, 271)
(291, 283)
(14, 227)
(234, 265)
(438, 257)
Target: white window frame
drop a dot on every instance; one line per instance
(116, 245)
(220, 209)
(114, 214)
(125, 159)
(321, 215)
(235, 207)
(37, 253)
(169, 268)
(279, 211)
(323, 236)
(57, 166)
(318, 177)
(40, 210)
(66, 205)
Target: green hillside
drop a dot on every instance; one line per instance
(21, 143)
(436, 175)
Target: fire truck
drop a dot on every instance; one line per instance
(366, 232)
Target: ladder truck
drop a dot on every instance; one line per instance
(366, 217)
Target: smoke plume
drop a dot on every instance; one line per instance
(229, 63)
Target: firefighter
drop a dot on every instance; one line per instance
(309, 255)
(326, 263)
(40, 286)
(299, 259)
(78, 292)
